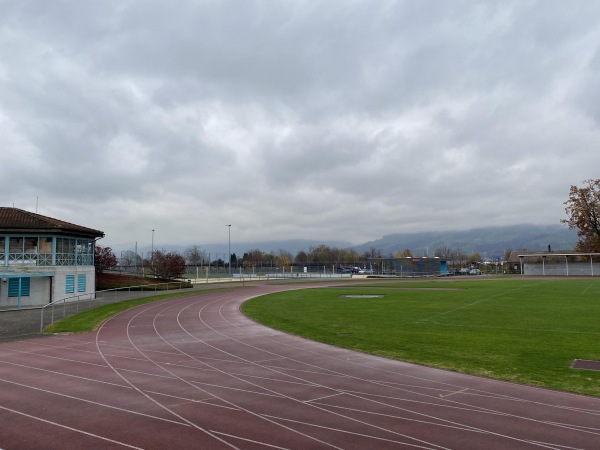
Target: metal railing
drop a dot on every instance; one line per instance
(68, 306)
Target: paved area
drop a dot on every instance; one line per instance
(195, 373)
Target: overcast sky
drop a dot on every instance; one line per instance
(326, 120)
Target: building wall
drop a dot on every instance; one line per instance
(560, 269)
(39, 294)
(419, 266)
(39, 290)
(59, 288)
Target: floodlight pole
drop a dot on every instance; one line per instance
(152, 256)
(229, 228)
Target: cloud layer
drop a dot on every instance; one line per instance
(343, 120)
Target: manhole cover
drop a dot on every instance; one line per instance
(586, 364)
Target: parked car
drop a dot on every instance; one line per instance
(474, 272)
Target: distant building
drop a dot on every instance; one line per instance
(554, 263)
(43, 259)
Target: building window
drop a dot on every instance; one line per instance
(3, 250)
(70, 284)
(65, 252)
(15, 250)
(85, 252)
(81, 283)
(16, 289)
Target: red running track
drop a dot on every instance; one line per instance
(195, 373)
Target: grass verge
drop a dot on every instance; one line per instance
(91, 319)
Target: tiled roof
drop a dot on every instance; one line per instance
(14, 220)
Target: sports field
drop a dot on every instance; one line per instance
(527, 331)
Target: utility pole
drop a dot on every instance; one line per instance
(152, 256)
(229, 227)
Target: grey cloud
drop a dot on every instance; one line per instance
(319, 120)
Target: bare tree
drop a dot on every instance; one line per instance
(320, 254)
(443, 252)
(301, 257)
(373, 253)
(130, 258)
(252, 258)
(583, 209)
(459, 258)
(283, 258)
(196, 256)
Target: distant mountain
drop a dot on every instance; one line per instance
(488, 242)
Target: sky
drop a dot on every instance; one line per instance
(342, 120)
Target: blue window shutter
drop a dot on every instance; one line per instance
(70, 284)
(25, 287)
(81, 283)
(13, 287)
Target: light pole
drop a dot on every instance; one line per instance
(229, 228)
(152, 252)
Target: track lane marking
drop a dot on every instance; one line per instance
(72, 397)
(70, 428)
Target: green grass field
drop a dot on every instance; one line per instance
(527, 331)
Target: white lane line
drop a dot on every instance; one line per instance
(64, 374)
(277, 380)
(408, 419)
(422, 379)
(314, 384)
(453, 393)
(183, 399)
(221, 371)
(263, 367)
(574, 426)
(220, 386)
(586, 289)
(316, 400)
(259, 416)
(478, 301)
(556, 446)
(438, 405)
(248, 440)
(490, 411)
(70, 428)
(480, 410)
(417, 393)
(353, 432)
(144, 394)
(262, 361)
(129, 411)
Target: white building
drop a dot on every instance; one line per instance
(43, 259)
